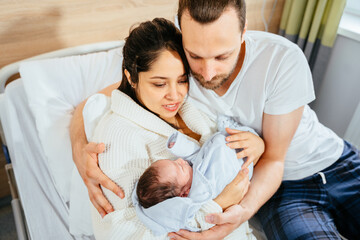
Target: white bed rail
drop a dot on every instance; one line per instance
(13, 68)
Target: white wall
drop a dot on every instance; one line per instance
(339, 92)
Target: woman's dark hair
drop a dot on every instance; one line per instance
(208, 11)
(151, 191)
(144, 45)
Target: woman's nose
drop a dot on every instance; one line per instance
(173, 94)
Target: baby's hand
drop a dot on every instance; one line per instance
(171, 144)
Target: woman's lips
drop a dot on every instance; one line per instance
(171, 107)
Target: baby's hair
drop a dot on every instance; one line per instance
(151, 191)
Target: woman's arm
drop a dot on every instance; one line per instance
(235, 191)
(232, 194)
(126, 157)
(86, 160)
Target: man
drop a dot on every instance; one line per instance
(264, 82)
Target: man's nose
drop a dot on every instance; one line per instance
(208, 70)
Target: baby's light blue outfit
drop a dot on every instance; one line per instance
(214, 166)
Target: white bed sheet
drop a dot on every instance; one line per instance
(47, 216)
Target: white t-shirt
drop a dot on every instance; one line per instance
(275, 79)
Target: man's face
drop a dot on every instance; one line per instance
(212, 49)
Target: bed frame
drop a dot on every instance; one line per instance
(5, 73)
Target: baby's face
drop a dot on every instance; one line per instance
(178, 171)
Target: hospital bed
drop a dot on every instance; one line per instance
(39, 146)
(40, 211)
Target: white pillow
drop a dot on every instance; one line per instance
(54, 87)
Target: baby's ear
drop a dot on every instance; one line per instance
(185, 193)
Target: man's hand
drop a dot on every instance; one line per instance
(252, 146)
(93, 177)
(226, 223)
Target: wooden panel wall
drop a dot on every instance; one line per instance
(272, 14)
(29, 27)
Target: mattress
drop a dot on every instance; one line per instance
(45, 213)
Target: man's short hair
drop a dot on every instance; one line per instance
(208, 11)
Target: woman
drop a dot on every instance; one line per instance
(148, 107)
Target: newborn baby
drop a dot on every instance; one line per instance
(164, 179)
(168, 183)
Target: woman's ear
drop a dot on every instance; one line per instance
(128, 77)
(244, 31)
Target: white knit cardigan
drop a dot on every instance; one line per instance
(135, 138)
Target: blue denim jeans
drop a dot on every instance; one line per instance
(320, 206)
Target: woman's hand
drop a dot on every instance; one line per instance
(93, 177)
(235, 191)
(252, 146)
(226, 223)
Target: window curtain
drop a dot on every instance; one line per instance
(312, 24)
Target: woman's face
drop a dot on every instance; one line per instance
(163, 88)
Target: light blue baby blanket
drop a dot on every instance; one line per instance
(214, 166)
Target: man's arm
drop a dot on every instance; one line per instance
(278, 131)
(86, 161)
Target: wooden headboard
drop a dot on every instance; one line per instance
(29, 28)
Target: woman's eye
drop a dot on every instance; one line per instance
(159, 84)
(183, 81)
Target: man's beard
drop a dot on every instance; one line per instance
(215, 82)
